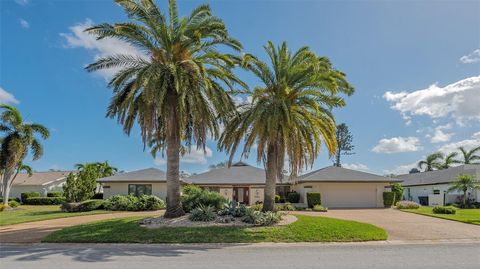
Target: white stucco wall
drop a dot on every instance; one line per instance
(16, 191)
(344, 195)
(427, 190)
(120, 188)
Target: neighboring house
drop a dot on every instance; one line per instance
(344, 188)
(41, 182)
(431, 188)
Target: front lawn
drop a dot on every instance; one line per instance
(471, 216)
(305, 229)
(29, 213)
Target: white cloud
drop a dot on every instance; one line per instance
(196, 156)
(24, 23)
(22, 2)
(473, 57)
(468, 144)
(401, 169)
(78, 38)
(356, 166)
(439, 136)
(7, 98)
(459, 100)
(397, 144)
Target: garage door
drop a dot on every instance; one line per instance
(349, 195)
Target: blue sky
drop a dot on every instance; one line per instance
(415, 67)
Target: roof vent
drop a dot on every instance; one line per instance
(239, 164)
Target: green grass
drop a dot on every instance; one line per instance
(29, 213)
(305, 229)
(471, 216)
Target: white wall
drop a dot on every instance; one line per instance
(16, 191)
(426, 190)
(121, 188)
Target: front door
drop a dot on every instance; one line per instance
(241, 195)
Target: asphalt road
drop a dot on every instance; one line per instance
(331, 256)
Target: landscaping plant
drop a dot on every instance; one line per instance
(194, 197)
(398, 190)
(463, 183)
(233, 208)
(444, 210)
(25, 195)
(314, 198)
(407, 205)
(259, 218)
(84, 206)
(45, 201)
(319, 208)
(203, 213)
(54, 194)
(13, 204)
(293, 197)
(133, 203)
(388, 198)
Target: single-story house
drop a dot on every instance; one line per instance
(241, 182)
(431, 188)
(344, 188)
(41, 182)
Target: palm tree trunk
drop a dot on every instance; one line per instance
(6, 185)
(174, 204)
(271, 173)
(465, 198)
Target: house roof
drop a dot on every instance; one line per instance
(239, 173)
(39, 178)
(340, 174)
(439, 176)
(144, 175)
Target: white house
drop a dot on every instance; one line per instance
(431, 188)
(41, 182)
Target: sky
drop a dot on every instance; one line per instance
(415, 66)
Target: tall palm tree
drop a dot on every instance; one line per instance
(469, 156)
(463, 183)
(449, 160)
(19, 138)
(433, 161)
(177, 92)
(290, 113)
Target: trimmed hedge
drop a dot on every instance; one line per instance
(444, 210)
(293, 197)
(388, 199)
(85, 206)
(45, 201)
(133, 203)
(13, 204)
(16, 199)
(55, 194)
(313, 199)
(25, 195)
(194, 197)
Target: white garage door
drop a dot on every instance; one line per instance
(348, 195)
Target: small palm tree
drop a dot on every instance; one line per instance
(18, 140)
(463, 183)
(433, 161)
(176, 93)
(469, 156)
(449, 160)
(290, 113)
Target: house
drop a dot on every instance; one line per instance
(41, 182)
(431, 188)
(240, 182)
(344, 188)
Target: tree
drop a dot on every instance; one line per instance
(177, 92)
(19, 139)
(344, 143)
(97, 170)
(463, 183)
(433, 161)
(290, 113)
(218, 165)
(81, 185)
(398, 190)
(449, 160)
(414, 171)
(469, 156)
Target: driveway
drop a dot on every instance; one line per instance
(34, 232)
(406, 226)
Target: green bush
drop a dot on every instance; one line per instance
(45, 201)
(259, 218)
(313, 198)
(16, 199)
(285, 207)
(150, 203)
(2, 207)
(293, 197)
(85, 206)
(194, 197)
(25, 195)
(407, 205)
(54, 194)
(444, 210)
(202, 213)
(319, 208)
(233, 209)
(257, 207)
(388, 198)
(133, 203)
(13, 203)
(398, 190)
(277, 198)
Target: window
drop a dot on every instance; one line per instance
(436, 191)
(140, 189)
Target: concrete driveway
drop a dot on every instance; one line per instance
(406, 226)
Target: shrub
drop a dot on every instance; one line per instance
(398, 190)
(3, 207)
(80, 186)
(233, 209)
(133, 203)
(407, 205)
(277, 198)
(150, 203)
(257, 207)
(444, 210)
(293, 197)
(45, 201)
(25, 195)
(388, 199)
(97, 196)
(13, 204)
(54, 194)
(16, 199)
(285, 207)
(194, 197)
(319, 208)
(314, 198)
(259, 218)
(202, 213)
(85, 206)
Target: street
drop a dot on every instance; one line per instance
(309, 255)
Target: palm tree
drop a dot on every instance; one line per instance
(463, 183)
(18, 140)
(449, 160)
(289, 115)
(469, 155)
(433, 161)
(176, 93)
